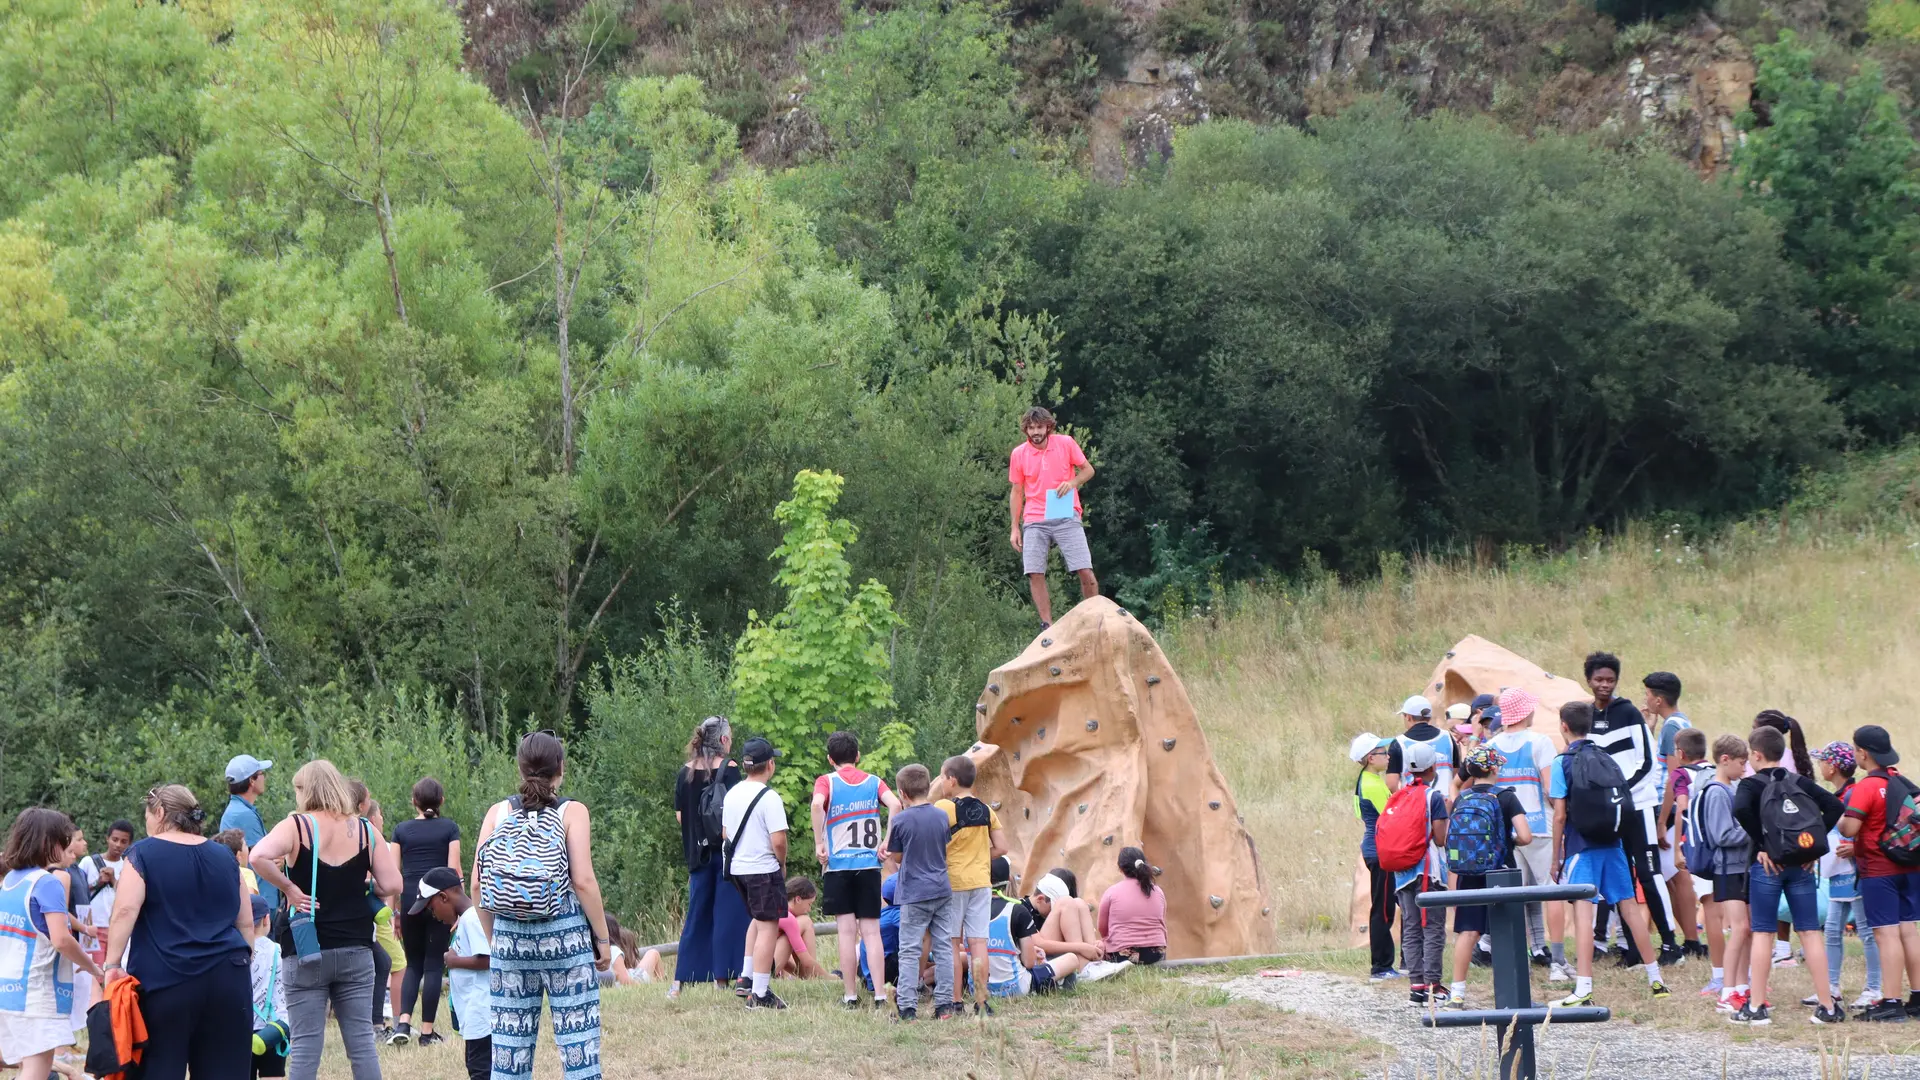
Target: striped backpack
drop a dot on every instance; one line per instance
(522, 867)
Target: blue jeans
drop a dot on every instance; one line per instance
(1800, 884)
(1838, 912)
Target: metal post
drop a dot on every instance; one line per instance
(1512, 985)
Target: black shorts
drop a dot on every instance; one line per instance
(1730, 887)
(850, 892)
(1470, 918)
(269, 1064)
(1139, 954)
(765, 895)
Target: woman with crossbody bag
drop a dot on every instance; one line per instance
(326, 938)
(540, 906)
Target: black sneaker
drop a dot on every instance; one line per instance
(767, 1000)
(1543, 958)
(1672, 956)
(850, 1003)
(1829, 1016)
(402, 1035)
(1417, 997)
(1887, 1012)
(1753, 1015)
(910, 1014)
(1913, 1004)
(945, 1012)
(981, 1008)
(1482, 958)
(881, 1004)
(431, 1038)
(1695, 949)
(1811, 1001)
(1630, 958)
(743, 987)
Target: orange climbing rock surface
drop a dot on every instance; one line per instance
(1088, 744)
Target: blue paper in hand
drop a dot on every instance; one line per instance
(1060, 506)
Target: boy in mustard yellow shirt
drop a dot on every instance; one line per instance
(974, 841)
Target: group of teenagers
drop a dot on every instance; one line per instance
(222, 957)
(1744, 841)
(914, 874)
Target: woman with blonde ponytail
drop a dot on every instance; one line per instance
(1133, 912)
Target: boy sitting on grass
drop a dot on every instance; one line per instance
(467, 961)
(796, 955)
(1591, 801)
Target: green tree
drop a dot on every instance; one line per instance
(1834, 164)
(821, 663)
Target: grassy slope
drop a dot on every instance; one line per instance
(1827, 629)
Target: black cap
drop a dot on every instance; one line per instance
(432, 883)
(1002, 870)
(1874, 740)
(756, 753)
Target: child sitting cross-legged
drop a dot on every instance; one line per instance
(1484, 828)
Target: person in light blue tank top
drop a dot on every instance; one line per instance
(848, 836)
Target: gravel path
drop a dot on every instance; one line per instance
(1625, 1052)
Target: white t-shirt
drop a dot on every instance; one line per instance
(100, 909)
(472, 998)
(753, 840)
(269, 983)
(1528, 753)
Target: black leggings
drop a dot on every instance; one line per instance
(382, 967)
(191, 1027)
(425, 940)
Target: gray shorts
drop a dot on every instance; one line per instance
(969, 911)
(1067, 534)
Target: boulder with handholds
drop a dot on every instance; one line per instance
(1126, 764)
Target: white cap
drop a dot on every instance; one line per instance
(1459, 710)
(1417, 758)
(1052, 888)
(1364, 744)
(1417, 706)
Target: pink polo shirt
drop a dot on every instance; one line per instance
(1130, 919)
(1043, 470)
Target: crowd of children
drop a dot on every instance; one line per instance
(1735, 842)
(915, 876)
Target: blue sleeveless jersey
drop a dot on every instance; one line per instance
(853, 824)
(1003, 956)
(34, 979)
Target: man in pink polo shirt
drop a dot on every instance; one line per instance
(1048, 469)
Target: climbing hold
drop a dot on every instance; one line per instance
(1108, 842)
(1041, 734)
(1215, 901)
(1016, 755)
(995, 805)
(1153, 680)
(993, 688)
(1027, 813)
(980, 706)
(1548, 674)
(1266, 911)
(1122, 611)
(1016, 719)
(1166, 744)
(1156, 871)
(977, 747)
(1045, 641)
(1055, 670)
(1214, 805)
(1093, 725)
(1083, 808)
(1449, 654)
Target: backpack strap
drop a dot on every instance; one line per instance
(746, 819)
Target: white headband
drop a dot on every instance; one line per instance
(1052, 888)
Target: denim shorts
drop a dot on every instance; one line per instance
(1891, 900)
(1802, 889)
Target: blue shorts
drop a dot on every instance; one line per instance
(1891, 900)
(1606, 870)
(1802, 890)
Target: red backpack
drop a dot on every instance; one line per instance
(1402, 834)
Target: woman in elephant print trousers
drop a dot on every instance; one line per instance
(553, 958)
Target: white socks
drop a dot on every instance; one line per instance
(761, 980)
(1459, 991)
(1653, 972)
(1582, 985)
(1719, 975)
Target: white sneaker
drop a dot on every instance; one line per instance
(1866, 999)
(1782, 952)
(1558, 973)
(1101, 969)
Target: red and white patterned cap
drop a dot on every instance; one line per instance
(1516, 704)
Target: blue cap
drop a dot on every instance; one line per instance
(261, 909)
(244, 767)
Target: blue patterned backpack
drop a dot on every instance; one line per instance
(522, 867)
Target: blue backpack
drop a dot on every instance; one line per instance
(522, 868)
(1476, 835)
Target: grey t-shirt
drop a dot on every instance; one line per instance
(918, 835)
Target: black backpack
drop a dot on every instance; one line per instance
(709, 820)
(969, 813)
(1792, 832)
(1597, 799)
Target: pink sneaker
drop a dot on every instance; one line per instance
(1733, 1004)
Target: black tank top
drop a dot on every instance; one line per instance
(344, 917)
